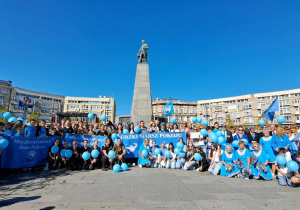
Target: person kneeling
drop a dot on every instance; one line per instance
(120, 152)
(53, 159)
(144, 161)
(84, 163)
(95, 161)
(171, 162)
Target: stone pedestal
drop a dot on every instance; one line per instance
(142, 101)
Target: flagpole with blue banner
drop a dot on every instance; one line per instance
(270, 112)
(168, 109)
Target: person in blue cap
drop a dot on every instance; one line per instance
(252, 135)
(163, 127)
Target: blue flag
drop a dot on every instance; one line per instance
(270, 112)
(168, 109)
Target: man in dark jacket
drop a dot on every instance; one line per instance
(252, 135)
(227, 134)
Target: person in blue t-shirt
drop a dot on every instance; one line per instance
(42, 130)
(20, 132)
(31, 130)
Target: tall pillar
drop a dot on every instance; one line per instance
(142, 101)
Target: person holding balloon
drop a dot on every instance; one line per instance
(294, 167)
(181, 155)
(120, 152)
(95, 155)
(261, 167)
(106, 158)
(53, 155)
(171, 161)
(281, 167)
(202, 161)
(143, 154)
(64, 162)
(266, 142)
(84, 163)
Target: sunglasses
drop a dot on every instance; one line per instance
(255, 146)
(241, 130)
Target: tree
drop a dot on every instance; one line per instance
(34, 116)
(258, 126)
(2, 110)
(229, 122)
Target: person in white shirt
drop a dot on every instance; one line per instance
(215, 156)
(282, 169)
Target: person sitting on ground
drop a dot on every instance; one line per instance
(171, 162)
(202, 164)
(144, 161)
(53, 159)
(295, 176)
(105, 160)
(161, 159)
(190, 151)
(282, 170)
(120, 152)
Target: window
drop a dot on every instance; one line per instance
(45, 117)
(288, 118)
(218, 108)
(46, 110)
(261, 111)
(237, 120)
(295, 94)
(247, 113)
(248, 119)
(284, 102)
(20, 115)
(85, 106)
(285, 110)
(231, 107)
(219, 114)
(297, 100)
(284, 96)
(229, 102)
(247, 106)
(95, 102)
(206, 109)
(297, 108)
(72, 107)
(20, 108)
(233, 113)
(93, 107)
(262, 104)
(298, 117)
(242, 100)
(263, 98)
(3, 91)
(1, 100)
(72, 102)
(46, 104)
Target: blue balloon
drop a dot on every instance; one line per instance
(3, 143)
(179, 145)
(12, 119)
(68, 153)
(137, 129)
(281, 160)
(0, 114)
(124, 167)
(86, 155)
(111, 154)
(157, 151)
(114, 136)
(168, 154)
(103, 117)
(194, 119)
(213, 137)
(125, 131)
(281, 119)
(173, 120)
(6, 115)
(292, 166)
(219, 133)
(182, 154)
(28, 124)
(7, 133)
(205, 122)
(54, 149)
(91, 116)
(145, 153)
(262, 122)
(221, 140)
(203, 132)
(197, 156)
(235, 143)
(116, 168)
(199, 119)
(246, 141)
(177, 151)
(63, 152)
(95, 153)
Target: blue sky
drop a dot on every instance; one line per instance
(197, 49)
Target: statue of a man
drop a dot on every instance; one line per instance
(142, 54)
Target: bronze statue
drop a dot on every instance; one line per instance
(142, 54)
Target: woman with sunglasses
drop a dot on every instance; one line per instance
(266, 142)
(262, 157)
(241, 135)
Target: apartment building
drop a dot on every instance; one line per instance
(183, 111)
(248, 109)
(98, 106)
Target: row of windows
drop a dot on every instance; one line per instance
(3, 91)
(20, 108)
(1, 100)
(86, 102)
(46, 110)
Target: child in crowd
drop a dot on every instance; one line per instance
(214, 156)
(20, 132)
(295, 176)
(282, 169)
(31, 130)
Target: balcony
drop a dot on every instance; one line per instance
(296, 104)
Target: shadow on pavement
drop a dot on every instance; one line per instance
(11, 201)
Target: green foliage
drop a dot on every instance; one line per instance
(2, 110)
(34, 116)
(229, 122)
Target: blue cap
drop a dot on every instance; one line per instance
(131, 122)
(105, 124)
(223, 125)
(162, 123)
(251, 127)
(124, 124)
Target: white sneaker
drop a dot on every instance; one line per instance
(140, 166)
(133, 164)
(247, 178)
(198, 169)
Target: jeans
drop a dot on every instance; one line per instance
(282, 180)
(217, 167)
(190, 166)
(180, 163)
(171, 164)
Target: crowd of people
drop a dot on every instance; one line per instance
(246, 153)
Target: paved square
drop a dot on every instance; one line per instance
(144, 188)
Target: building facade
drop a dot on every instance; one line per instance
(248, 109)
(5, 93)
(97, 106)
(183, 111)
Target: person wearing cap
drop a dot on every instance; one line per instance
(31, 130)
(163, 128)
(227, 134)
(252, 135)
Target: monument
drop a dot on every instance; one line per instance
(142, 100)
